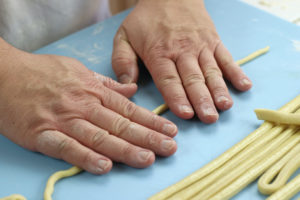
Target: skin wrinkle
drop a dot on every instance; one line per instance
(129, 109)
(99, 138)
(120, 126)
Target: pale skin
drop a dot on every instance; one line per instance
(180, 47)
(56, 106)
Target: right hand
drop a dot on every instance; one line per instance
(180, 47)
(56, 106)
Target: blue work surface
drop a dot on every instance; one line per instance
(244, 29)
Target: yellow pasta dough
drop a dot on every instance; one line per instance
(281, 171)
(57, 176)
(247, 160)
(278, 117)
(14, 197)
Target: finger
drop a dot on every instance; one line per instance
(231, 70)
(124, 59)
(132, 132)
(194, 84)
(137, 114)
(167, 80)
(214, 80)
(59, 145)
(128, 90)
(109, 145)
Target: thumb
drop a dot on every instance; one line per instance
(127, 90)
(124, 59)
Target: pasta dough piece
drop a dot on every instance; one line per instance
(230, 164)
(57, 176)
(244, 167)
(282, 170)
(203, 172)
(14, 197)
(278, 117)
(287, 191)
(248, 177)
(160, 109)
(253, 55)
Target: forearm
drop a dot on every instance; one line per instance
(173, 2)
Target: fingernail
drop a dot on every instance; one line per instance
(169, 128)
(125, 79)
(144, 156)
(102, 165)
(222, 99)
(225, 101)
(246, 82)
(167, 144)
(186, 109)
(208, 110)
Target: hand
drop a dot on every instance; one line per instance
(179, 45)
(56, 106)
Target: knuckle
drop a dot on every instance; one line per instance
(109, 82)
(176, 98)
(129, 109)
(184, 42)
(219, 90)
(126, 151)
(158, 49)
(106, 97)
(92, 110)
(63, 146)
(122, 60)
(154, 120)
(166, 80)
(149, 139)
(212, 73)
(99, 138)
(226, 61)
(192, 79)
(121, 125)
(86, 158)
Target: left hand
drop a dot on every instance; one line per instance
(180, 47)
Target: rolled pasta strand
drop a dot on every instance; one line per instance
(288, 191)
(281, 171)
(245, 166)
(160, 109)
(253, 55)
(14, 197)
(245, 157)
(56, 177)
(229, 165)
(278, 116)
(218, 162)
(256, 171)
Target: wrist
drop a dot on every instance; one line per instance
(8, 57)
